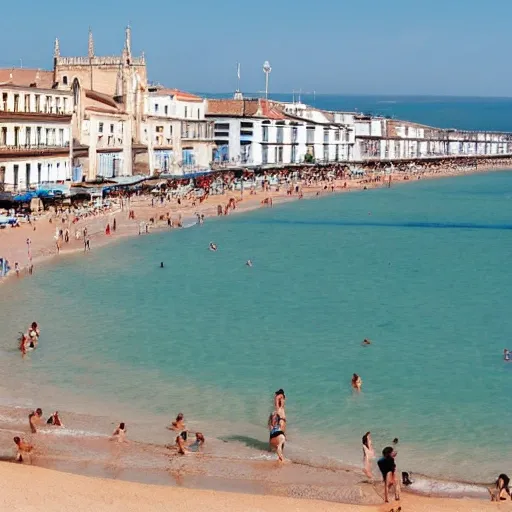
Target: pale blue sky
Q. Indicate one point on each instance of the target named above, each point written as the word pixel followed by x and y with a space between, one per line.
pixel 444 47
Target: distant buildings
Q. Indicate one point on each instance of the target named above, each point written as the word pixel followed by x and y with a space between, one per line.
pixel 95 117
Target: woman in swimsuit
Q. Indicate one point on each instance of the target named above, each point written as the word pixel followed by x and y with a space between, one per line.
pixel 277 436
pixel 55 420
pixel 181 444
pixel 356 382
pixel 368 454
pixel 502 490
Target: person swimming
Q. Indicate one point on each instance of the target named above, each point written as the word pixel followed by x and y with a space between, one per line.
pixel 506 354
pixel 357 382
pixel 161 264
pixel 366 342
pixel 248 263
pixel 212 246
pixel 277 436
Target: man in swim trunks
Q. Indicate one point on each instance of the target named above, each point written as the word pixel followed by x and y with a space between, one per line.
pixel 387 467
pixel 34 418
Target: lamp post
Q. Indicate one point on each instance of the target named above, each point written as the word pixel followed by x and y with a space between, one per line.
pixel 266 69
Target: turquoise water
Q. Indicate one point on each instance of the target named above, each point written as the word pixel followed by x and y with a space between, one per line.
pixel 421 269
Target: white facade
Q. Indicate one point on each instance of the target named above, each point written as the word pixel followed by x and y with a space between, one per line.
pixel 35 136
pixel 276 134
pixel 178 135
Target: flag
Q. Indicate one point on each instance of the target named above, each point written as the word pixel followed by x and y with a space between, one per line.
pixel 238 70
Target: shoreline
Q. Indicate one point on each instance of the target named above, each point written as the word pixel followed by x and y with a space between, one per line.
pixel 252 203
pixel 43 246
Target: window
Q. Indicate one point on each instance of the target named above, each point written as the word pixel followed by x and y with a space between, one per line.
pixel 65 107
pixel 337 158
pixel 280 134
pixel 326 134
pixel 48 107
pixel 38 103
pixel 2 177
pixel 28 136
pixel 39 167
pixel 111 128
pixel 57 105
pixel 16 169
pixel 27 102
pixel 294 134
pixel 61 136
pixel 156 108
pixel 310 134
pixel 16 102
pixel 65 80
pixel 337 135
pixel 27 175
pixel 159 129
pixel 279 158
pixel 166 109
pixel 170 130
pixel 294 154
pixel 47 136
pixel 16 135
pixel 186 111
pixel 198 113
pixel 38 135
pixel 100 127
pixel 326 153
pixel 4 136
pixel 4 100
pixel 264 154
pixel 265 134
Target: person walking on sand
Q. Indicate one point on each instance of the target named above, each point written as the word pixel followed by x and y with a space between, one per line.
pixel 387 468
pixel 22 448
pixel 357 382
pixel 368 455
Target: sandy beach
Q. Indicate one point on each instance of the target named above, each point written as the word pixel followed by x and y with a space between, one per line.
pixel 30 489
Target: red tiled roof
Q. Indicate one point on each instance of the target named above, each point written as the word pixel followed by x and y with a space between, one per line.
pixel 232 108
pixel 102 98
pixel 104 110
pixel 26 77
pixel 180 95
pixel 245 108
pixel 271 110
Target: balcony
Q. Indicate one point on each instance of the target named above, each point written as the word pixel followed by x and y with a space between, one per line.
pixel 33 149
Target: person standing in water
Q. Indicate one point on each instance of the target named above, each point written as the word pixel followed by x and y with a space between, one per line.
pixel 22 448
pixel 277 435
pixel 34 418
pixel 119 434
pixel 357 382
pixel 368 455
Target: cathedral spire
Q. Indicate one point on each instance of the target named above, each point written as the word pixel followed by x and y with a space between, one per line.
pixel 128 42
pixel 91 44
pixel 56 48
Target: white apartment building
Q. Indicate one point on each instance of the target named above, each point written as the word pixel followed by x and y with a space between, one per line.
pixel 254 132
pixel 35 131
pixel 179 138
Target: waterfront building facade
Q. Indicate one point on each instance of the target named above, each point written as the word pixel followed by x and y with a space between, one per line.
pixel 35 130
pixel 255 132
pixel 178 136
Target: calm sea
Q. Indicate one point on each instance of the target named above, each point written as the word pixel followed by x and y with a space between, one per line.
pixel 421 269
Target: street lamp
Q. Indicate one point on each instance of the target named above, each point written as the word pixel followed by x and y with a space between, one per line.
pixel 266 69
